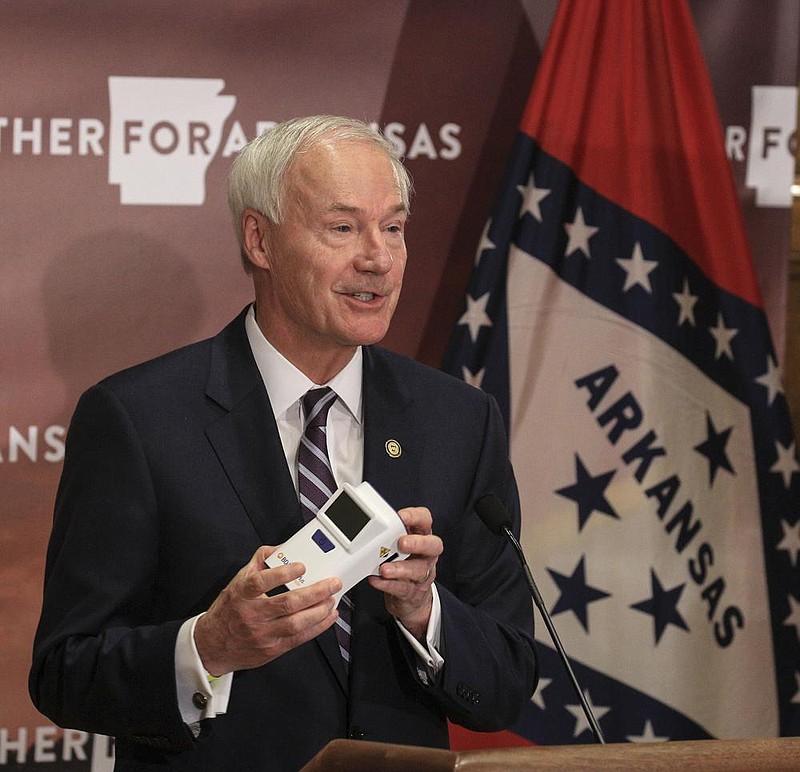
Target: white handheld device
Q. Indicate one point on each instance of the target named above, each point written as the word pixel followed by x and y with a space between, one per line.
pixel 350 537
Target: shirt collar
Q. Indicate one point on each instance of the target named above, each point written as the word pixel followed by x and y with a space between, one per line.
pixel 285 384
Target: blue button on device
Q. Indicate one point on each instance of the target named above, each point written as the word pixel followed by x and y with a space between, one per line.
pixel 322 541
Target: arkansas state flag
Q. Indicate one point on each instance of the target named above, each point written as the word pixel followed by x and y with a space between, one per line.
pixel 614 313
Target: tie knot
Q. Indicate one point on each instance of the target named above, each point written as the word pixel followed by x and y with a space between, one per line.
pixel 316 404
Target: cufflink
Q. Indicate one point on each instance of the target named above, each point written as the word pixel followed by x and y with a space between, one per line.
pixel 199 700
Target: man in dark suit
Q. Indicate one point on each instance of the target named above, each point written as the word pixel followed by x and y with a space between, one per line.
pixel 158 626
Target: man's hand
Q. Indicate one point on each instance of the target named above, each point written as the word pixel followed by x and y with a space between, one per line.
pixel 406 584
pixel 244 628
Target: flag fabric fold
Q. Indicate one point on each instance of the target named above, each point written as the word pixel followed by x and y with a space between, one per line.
pixel 615 315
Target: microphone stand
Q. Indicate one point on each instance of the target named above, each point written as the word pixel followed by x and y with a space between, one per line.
pixel 537 599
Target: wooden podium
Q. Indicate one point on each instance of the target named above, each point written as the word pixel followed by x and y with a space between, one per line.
pixel 781 753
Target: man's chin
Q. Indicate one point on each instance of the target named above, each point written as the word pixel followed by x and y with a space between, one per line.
pixel 366 337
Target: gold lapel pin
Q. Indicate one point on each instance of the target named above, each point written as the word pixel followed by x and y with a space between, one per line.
pixel 393 449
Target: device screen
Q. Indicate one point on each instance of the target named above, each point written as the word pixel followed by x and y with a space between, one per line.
pixel 347 516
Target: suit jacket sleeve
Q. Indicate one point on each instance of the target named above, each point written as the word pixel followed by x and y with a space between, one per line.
pixel 102 656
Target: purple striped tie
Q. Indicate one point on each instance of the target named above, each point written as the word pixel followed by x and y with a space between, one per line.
pixel 316 484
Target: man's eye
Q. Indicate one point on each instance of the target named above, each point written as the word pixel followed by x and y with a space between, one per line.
pixel 343 228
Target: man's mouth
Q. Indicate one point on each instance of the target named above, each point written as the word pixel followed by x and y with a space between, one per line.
pixel 365 296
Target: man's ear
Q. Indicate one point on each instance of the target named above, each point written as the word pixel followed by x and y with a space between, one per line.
pixel 255 228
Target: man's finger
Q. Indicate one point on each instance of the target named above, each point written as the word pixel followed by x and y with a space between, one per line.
pixel 294 601
pixel 428 546
pixel 416 519
pixel 255 579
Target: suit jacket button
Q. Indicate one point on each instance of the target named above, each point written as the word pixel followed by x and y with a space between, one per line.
pixel 199 700
pixel 356 734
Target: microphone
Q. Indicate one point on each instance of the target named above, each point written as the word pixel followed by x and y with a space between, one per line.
pixel 495 517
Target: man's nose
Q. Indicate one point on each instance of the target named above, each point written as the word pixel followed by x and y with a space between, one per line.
pixel 374 255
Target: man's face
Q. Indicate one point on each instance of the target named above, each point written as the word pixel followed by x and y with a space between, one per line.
pixel 336 262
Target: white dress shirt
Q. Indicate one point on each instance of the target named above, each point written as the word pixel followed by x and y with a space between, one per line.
pixel 285 386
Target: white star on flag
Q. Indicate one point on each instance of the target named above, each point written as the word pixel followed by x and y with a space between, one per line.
pixel 637 269
pixel 771 380
pixel 648 735
pixel 538 697
pixel 786 463
pixel 793 620
pixel 475 316
pixel 790 541
pixel 531 196
pixel 723 335
pixel 579 234
pixel 686 301
pixel 485 242
pixel 581 722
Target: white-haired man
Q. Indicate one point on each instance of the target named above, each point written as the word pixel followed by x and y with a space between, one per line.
pixel 159 624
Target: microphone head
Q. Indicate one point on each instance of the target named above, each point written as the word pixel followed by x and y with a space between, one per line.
pixel 493 513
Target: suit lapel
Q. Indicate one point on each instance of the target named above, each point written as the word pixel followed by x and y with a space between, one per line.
pixel 246 441
pixel 245 438
pixel 391 440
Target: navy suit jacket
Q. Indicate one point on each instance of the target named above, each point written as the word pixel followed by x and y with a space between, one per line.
pixel 174 474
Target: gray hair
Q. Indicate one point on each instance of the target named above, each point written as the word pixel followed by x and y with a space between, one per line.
pixel 256 179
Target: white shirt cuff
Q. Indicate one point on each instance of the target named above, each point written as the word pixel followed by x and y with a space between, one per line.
pixel 430 661
pixel 200 695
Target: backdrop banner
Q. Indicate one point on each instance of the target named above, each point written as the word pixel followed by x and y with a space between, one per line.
pixel 117 125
